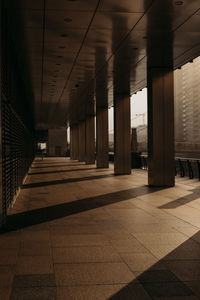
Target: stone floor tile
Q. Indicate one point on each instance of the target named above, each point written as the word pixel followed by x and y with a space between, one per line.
pixel 35 235
pixel 85 254
pixel 6 276
pixel 161 238
pixel 167 289
pixel 92 273
pixel 75 229
pixel 187 251
pixel 79 240
pixel 194 286
pixel 36 280
pixel 157 276
pixel 8 256
pixel 102 292
pixel 128 245
pixel 37 293
pixel 34 265
pixel 9 241
pixel 36 248
pixel 186 270
pixel 151 233
pixel 141 261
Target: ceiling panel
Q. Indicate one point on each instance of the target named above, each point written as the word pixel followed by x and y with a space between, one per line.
pixel 64 19
pixel 124 6
pixel 76 44
pixel 25 4
pixel 115 20
pixel 72 5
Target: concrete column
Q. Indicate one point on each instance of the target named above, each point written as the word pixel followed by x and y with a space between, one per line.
pixel 76 142
pixel 89 141
pixel 71 142
pixel 160 126
pixel 82 141
pixel 122 134
pixel 2 220
pixel 57 142
pixel 102 160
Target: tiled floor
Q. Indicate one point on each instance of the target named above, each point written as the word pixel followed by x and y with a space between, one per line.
pixel 77 232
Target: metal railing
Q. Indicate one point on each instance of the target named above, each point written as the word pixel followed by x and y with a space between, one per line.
pixel 184 167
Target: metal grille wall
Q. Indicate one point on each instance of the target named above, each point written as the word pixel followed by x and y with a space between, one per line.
pixel 17 123
pixel 17 153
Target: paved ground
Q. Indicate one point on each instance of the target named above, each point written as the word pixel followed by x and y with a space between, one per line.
pixel 78 232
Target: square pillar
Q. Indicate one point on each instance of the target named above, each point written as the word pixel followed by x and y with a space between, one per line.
pixel 72 142
pixel 160 126
pixel 102 159
pixel 122 134
pixel 2 213
pixel 75 142
pixel 89 141
pixel 81 139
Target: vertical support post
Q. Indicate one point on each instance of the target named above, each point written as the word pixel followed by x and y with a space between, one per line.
pixel 76 142
pixel 102 137
pixel 82 141
pixel 1 194
pixel 72 142
pixel 122 134
pixel 160 126
pixel 89 141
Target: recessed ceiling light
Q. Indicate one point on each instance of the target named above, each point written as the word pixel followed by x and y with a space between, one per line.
pixel 179 2
pixel 68 20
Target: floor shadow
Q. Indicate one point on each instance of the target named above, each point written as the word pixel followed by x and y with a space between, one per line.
pixel 59 166
pixel 48 162
pixel 62 171
pixel 182 200
pixel 45 214
pixel 175 275
pixel 63 181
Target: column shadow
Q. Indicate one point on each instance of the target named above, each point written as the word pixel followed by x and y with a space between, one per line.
pixel 37 216
pixel 59 166
pixel 175 276
pixel 63 181
pixel 182 200
pixel 62 171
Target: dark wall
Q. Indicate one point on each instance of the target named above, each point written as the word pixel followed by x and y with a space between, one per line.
pixel 17 121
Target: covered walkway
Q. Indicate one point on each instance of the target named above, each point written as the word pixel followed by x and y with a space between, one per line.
pixel 77 232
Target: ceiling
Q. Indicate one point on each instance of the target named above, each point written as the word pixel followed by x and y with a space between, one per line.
pixel 80 50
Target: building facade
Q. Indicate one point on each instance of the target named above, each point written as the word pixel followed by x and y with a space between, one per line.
pixel 187 109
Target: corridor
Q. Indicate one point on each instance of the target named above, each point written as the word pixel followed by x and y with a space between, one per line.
pixel 77 232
